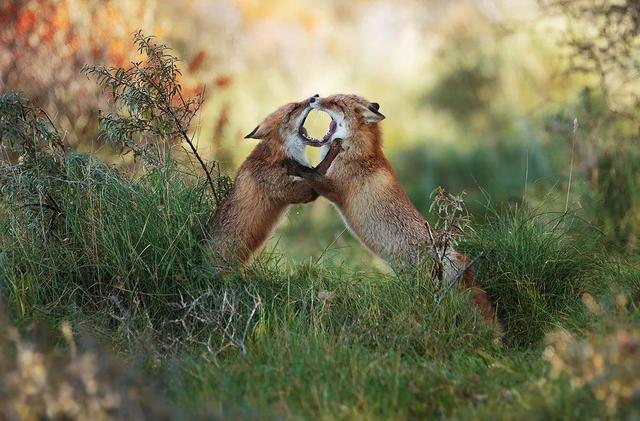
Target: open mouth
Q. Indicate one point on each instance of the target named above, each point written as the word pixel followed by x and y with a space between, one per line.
pixel 312 141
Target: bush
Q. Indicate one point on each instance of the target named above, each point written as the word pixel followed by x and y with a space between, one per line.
pixel 600 41
pixel 605 361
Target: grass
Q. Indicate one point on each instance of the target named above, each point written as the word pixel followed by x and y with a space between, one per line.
pixel 314 378
pixel 129 262
pixel 116 237
pixel 536 266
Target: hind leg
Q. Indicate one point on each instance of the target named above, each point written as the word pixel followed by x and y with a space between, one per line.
pixel 481 299
pixel 479 295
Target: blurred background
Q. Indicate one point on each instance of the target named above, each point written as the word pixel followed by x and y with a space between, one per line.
pixel 502 99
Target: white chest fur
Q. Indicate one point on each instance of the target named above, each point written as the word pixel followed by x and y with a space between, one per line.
pixel 296 150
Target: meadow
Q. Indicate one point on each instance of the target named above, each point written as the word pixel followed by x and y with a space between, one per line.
pixel 112 307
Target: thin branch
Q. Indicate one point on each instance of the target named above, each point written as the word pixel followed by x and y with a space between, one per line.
pixel 440 296
pixel 183 132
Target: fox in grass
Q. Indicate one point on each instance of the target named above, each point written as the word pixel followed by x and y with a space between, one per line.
pixel 262 189
pixel 363 186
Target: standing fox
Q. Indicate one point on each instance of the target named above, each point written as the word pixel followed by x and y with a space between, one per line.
pixel 364 188
pixel 262 189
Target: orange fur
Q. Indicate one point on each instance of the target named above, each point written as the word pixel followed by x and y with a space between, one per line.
pixel 262 189
pixel 364 188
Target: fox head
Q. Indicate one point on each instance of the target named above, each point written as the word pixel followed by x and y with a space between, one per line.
pixel 354 121
pixel 283 130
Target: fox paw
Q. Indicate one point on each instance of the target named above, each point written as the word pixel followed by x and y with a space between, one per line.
pixel 296 169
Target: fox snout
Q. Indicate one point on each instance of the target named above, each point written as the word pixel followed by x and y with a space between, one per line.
pixel 316 102
pixel 313 100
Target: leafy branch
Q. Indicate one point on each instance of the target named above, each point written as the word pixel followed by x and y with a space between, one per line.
pixel 444 235
pixel 152 114
pixel 33 167
pixel 25 127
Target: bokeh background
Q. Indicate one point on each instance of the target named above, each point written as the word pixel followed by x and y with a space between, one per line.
pixel 480 95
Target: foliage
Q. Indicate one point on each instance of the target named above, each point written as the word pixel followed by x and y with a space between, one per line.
pixel 603 39
pixel 109 239
pixel 153 115
pixel 35 179
pixel 501 173
pixel 471 75
pixel 26 127
pixel 601 43
pixel 30 30
pixel 606 361
pixel 451 222
pixel 80 32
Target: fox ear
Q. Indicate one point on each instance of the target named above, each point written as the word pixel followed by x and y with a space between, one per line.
pixel 257 133
pixel 371 113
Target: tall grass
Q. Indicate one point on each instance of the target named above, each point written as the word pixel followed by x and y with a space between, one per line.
pixel 116 236
pixel 130 251
pixel 535 267
pixel 128 260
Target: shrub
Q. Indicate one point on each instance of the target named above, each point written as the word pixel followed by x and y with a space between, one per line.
pixel 600 41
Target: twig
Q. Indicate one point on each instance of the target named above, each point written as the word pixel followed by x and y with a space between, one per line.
pixel 224 319
pixel 438 267
pixel 440 296
pixel 185 136
pixel 182 130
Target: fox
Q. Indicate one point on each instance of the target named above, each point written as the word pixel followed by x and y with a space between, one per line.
pixel 262 189
pixel 364 188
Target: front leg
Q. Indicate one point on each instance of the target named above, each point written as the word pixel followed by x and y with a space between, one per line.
pixel 283 188
pixel 321 184
pixel 295 168
pixel 334 150
pixel 300 191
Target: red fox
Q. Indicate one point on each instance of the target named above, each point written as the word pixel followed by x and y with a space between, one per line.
pixel 363 186
pixel 262 189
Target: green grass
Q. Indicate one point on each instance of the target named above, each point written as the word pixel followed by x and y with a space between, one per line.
pixel 317 378
pixel 116 237
pixel 129 263
pixel 535 266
